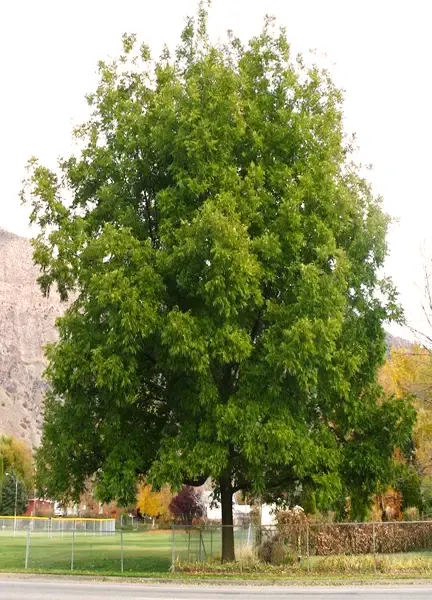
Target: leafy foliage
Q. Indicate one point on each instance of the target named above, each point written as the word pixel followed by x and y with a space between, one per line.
pixel 221 253
pixel 16 456
pixel 16 464
pixel 187 505
pixel 12 489
pixel 409 485
pixel 409 371
pixel 153 503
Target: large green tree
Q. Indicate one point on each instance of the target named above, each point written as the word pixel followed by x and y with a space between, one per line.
pixel 221 254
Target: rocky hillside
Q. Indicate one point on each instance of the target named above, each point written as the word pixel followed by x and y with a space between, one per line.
pixel 26 325
pixel 394 342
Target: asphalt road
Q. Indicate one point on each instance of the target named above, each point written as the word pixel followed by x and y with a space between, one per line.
pixel 12 589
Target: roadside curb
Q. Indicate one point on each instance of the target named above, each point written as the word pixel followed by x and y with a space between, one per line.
pixel 219 581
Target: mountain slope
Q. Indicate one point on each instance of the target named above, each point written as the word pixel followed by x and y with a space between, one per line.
pixel 26 325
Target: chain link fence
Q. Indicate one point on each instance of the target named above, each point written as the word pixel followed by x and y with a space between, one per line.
pixel 78 549
pixel 50 525
pixel 92 547
pixel 325 547
pixel 202 544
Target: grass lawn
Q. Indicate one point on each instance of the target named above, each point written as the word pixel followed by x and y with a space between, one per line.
pixel 148 552
pixel 144 552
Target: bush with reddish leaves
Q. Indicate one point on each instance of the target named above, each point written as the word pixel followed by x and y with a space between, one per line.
pixel 187 506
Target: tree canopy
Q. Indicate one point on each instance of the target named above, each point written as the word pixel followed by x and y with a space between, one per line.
pixel 16 457
pixel 187 505
pixel 13 495
pixel 16 475
pixel 408 370
pixel 221 254
pixel 153 503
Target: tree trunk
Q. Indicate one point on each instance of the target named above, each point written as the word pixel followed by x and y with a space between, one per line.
pixel 228 553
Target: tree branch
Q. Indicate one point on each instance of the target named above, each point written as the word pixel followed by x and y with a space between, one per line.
pixel 197 482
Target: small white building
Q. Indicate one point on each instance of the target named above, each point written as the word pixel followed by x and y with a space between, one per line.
pixel 240 511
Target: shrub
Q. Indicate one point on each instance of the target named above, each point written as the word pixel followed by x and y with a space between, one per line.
pixel 164 521
pixel 187 506
pixel 286 543
pixel 348 564
pixel 255 515
pixel 418 565
pixel 341 539
pixel 265 550
pixel 411 514
pixel 358 539
pixel 277 553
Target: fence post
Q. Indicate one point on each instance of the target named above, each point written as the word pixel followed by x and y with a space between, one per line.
pixel 248 539
pixel 200 543
pixel 188 545
pixel 27 554
pixel 121 551
pixel 374 544
pixel 73 548
pixel 307 547
pixel 172 548
pixel 241 546
pixel 211 542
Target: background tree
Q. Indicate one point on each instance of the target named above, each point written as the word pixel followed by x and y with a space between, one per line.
pixel 153 503
pixel 187 505
pixel 16 456
pixel 88 505
pixel 409 484
pixel 222 254
pixel 423 391
pixel 408 370
pixel 15 459
pixel 13 490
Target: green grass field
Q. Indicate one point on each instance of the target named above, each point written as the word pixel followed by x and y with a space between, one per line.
pixel 150 554
pixel 142 552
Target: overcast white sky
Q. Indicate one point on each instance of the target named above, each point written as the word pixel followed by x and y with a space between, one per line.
pixel 381 50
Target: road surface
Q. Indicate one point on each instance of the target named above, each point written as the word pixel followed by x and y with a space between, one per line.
pixel 15 589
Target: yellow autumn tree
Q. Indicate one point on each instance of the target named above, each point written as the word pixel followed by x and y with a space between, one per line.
pixel 409 371
pixel 153 503
pixel 15 455
pixel 398 374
